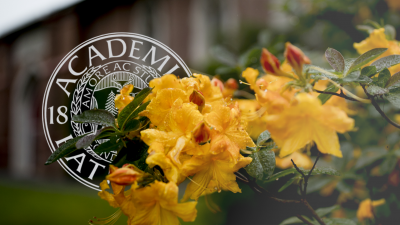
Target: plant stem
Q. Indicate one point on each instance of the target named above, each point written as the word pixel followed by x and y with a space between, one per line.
pixel 259 190
pixel 303 190
pixel 303 219
pixel 342 95
pixel 376 105
pixel 315 215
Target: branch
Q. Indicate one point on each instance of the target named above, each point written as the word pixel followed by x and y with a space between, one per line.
pixel 309 175
pixel 304 219
pixel 259 190
pixel 376 105
pixel 303 190
pixel 342 95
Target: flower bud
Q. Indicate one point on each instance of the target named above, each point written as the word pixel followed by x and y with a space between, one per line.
pixel 197 98
pixel 216 82
pixel 122 176
pixel 296 58
pixel 270 63
pixel 201 133
pixel 231 83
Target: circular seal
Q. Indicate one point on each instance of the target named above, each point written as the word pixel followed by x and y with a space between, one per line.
pixel 89 77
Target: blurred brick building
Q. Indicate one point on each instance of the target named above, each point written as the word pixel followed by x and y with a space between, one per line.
pixel 28 56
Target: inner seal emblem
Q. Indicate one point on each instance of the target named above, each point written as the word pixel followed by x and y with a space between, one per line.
pixel 89 77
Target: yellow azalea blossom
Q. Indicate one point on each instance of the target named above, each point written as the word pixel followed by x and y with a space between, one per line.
pixel 227 134
pixel 119 199
pixel 215 170
pixel 123 99
pixel 301 160
pixel 183 118
pixel 255 124
pixel 210 92
pixel 157 204
pixel 366 209
pixel 157 156
pixel 164 82
pixel 159 108
pixel 377 39
pixel 307 121
pixel 272 100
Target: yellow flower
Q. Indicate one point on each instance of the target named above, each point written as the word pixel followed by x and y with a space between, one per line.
pixel 123 99
pixel 212 173
pixel 366 209
pixel 164 82
pixel 159 108
pixel 306 121
pixel 157 204
pixel 272 100
pixel 301 160
pixel 119 199
pixel 255 124
pixel 123 176
pixel 157 156
pixel 227 134
pixel 182 120
pixel 210 92
pixel 377 39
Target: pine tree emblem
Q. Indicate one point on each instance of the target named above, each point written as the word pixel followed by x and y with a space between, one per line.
pixel 110 104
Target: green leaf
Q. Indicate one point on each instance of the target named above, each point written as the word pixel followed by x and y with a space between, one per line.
pixel 322 171
pixel 321 212
pixel 388 164
pixel 288 183
pixel 376 90
pixel 96 116
pixel 363 80
pixel 316 171
pixel 347 151
pixel 383 77
pixel 263 164
pixel 369 156
pixel 325 97
pixel 85 142
pixel 365 28
pixel 291 220
pixel 335 59
pixel 365 58
pixel 336 221
pixel 386 62
pixel 316 183
pixel 263 137
pixel 347 63
pixel 65 149
pixel 114 144
pixel 283 173
pixel 352 77
pixel 133 108
pixel 394 79
pixel 250 58
pixel 394 99
pixel 390 32
pixel 368 71
pixel 132 125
